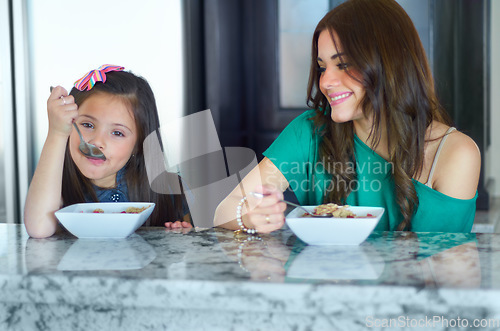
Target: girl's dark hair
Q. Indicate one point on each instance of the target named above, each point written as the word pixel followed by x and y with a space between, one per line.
pixel 382 46
pixel 138 96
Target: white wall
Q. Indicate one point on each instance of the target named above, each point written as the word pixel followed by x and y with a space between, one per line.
pixel 7 149
pixel 493 155
pixel 69 38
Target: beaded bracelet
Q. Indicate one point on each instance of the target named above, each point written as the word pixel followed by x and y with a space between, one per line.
pixel 238 218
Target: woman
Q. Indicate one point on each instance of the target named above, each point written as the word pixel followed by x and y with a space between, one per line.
pixel 377 135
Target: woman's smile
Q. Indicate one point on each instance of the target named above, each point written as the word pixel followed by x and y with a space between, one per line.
pixel 336 98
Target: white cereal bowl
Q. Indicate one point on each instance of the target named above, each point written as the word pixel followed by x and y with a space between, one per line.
pixel 81 221
pixel 333 230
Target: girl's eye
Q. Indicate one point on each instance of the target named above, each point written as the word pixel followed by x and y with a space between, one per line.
pixel 118 133
pixel 87 125
pixel 321 69
pixel 343 66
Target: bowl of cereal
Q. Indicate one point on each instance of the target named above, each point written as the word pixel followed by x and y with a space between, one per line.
pixel 346 225
pixel 104 219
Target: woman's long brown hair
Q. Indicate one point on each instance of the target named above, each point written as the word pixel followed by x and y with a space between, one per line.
pixel 382 46
pixel 136 93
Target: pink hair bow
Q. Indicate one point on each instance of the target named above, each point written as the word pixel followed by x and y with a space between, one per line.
pixel 99 75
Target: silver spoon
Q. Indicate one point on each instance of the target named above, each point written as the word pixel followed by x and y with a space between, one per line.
pixel 85 148
pixel 260 195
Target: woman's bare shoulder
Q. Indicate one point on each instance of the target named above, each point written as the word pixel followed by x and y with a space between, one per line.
pixel 459 165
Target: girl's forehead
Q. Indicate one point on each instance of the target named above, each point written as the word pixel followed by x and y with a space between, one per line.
pixel 105 100
pixel 103 106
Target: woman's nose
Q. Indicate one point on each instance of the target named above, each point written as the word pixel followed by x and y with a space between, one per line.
pixel 329 78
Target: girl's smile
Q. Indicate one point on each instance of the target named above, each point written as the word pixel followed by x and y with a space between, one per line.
pixel 107 122
pixel 96 162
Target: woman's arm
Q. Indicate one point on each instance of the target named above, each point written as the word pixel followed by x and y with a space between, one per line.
pixel 266 214
pixel 44 194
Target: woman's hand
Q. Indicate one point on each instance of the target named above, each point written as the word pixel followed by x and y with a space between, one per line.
pixel 62 111
pixel 265 214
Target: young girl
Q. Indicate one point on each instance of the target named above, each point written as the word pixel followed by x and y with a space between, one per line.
pixel 377 135
pixel 115 111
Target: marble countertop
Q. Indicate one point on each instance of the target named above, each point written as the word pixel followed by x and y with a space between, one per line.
pixel 163 276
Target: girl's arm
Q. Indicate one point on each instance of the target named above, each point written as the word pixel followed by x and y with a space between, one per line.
pixel 44 194
pixel 266 214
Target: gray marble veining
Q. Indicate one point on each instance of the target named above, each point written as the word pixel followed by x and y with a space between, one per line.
pixel 209 280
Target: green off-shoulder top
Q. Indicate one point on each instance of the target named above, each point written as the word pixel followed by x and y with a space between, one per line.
pixel 295 154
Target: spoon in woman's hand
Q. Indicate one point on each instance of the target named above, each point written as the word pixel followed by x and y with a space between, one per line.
pixel 85 148
pixel 260 195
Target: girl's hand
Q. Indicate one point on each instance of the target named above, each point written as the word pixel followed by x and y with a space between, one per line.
pixel 266 214
pixel 62 111
pixel 178 225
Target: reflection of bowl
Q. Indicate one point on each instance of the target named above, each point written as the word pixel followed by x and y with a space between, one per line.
pixel 80 220
pixel 332 230
pixel 337 262
pixel 108 254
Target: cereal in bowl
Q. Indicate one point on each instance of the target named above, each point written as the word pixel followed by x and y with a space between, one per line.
pixel 135 210
pixel 129 210
pixel 334 210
